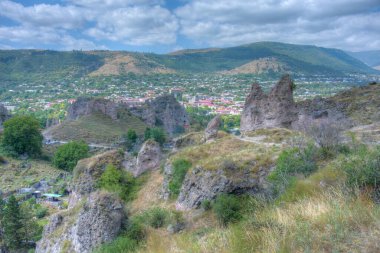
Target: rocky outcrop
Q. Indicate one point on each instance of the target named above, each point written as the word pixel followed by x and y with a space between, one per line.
pixel 88 171
pixel 266 111
pixel 201 184
pixel 212 128
pixel 82 228
pixel 4 115
pixel 189 139
pixel 87 106
pixel 148 158
pixel 165 112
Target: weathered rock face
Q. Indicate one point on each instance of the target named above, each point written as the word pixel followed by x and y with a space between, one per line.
pixel 84 227
pixel 148 158
pixel 165 112
pixel 88 171
pixel 86 106
pixel 266 111
pixel 4 114
pixel 201 184
pixel 212 128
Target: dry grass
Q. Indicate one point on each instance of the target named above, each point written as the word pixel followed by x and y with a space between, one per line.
pixel 95 128
pixel 212 155
pixel 15 174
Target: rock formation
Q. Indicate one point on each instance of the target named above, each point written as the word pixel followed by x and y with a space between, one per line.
pixel 81 229
pixel 4 115
pixel 266 111
pixel 86 106
pixel 165 112
pixel 212 128
pixel 88 171
pixel 201 184
pixel 148 158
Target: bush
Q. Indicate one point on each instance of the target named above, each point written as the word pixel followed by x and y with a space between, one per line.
pixel 41 212
pixel 227 209
pixel 136 229
pixel 180 168
pixel 157 217
pixel 292 162
pixel 362 168
pixel 22 135
pixel 122 244
pixel 206 205
pixel 67 155
pixel 115 180
pixel 157 134
pixel 130 139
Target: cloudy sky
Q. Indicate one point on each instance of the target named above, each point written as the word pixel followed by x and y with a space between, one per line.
pixel 168 25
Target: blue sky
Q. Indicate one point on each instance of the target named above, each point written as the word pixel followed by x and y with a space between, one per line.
pixel 163 26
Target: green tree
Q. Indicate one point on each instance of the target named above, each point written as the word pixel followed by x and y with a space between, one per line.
pixel 132 135
pixel 156 134
pixel 67 155
pixel 12 224
pixel 22 135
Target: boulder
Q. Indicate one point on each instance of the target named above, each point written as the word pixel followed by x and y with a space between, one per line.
pixel 276 109
pixel 84 227
pixel 201 184
pixel 148 158
pixel 212 128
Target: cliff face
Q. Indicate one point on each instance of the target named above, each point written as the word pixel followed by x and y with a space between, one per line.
pixel 93 216
pixel 165 112
pixel 266 111
pixel 86 106
pixel 96 220
pixel 212 128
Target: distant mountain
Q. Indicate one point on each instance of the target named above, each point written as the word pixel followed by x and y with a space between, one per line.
pixel 255 58
pixel 371 58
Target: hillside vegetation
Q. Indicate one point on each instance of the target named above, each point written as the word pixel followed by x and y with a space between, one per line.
pixel 95 128
pixel 299 59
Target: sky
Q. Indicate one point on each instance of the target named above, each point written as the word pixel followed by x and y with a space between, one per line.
pixel 163 26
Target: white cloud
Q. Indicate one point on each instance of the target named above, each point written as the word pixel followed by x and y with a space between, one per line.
pixel 34 38
pixel 139 25
pixel 338 23
pixel 43 15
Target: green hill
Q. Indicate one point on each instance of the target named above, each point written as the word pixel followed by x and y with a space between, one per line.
pixel 268 57
pixel 371 58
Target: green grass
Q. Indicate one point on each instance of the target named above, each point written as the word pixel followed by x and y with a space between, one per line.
pixel 180 168
pixel 97 128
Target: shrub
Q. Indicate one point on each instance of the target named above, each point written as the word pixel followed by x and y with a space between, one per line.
pixel 362 168
pixel 22 135
pixel 130 139
pixel 67 155
pixel 227 209
pixel 41 212
pixel 115 180
pixel 122 244
pixel 156 133
pixel 180 168
pixel 292 162
pixel 136 229
pixel 206 205
pixel 157 217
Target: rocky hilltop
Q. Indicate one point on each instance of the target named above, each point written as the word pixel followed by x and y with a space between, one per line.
pixel 164 111
pixel 87 106
pixel 276 109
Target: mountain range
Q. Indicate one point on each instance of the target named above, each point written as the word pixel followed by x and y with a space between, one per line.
pixel 255 58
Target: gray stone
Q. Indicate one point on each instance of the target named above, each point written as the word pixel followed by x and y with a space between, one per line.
pixel 212 128
pixel 267 111
pixel 87 106
pixel 83 227
pixel 148 158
